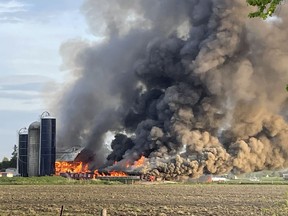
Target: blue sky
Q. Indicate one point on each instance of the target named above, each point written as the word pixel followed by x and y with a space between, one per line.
pixel 31 33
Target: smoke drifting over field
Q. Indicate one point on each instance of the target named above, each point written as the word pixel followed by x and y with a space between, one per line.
pixel 198 87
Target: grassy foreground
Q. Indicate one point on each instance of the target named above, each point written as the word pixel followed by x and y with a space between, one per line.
pixel 50 180
pixel 262 181
pixel 58 180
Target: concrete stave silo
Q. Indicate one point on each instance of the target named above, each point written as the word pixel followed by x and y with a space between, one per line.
pixel 33 148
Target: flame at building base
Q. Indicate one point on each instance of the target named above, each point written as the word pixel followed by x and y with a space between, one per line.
pixel 80 167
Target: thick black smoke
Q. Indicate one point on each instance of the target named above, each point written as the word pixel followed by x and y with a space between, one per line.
pixel 192 85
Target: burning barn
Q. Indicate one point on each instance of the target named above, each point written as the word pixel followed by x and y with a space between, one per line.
pixel 193 87
pixel 66 165
pixel 73 168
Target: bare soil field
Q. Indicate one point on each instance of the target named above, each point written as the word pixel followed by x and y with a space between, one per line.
pixel 176 199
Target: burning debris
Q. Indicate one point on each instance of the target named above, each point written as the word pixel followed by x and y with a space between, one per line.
pixel 70 167
pixel 188 87
pixel 78 169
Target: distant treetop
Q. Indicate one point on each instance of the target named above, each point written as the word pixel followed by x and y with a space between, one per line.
pixel 265 8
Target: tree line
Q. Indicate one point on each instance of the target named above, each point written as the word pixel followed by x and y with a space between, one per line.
pixel 9 163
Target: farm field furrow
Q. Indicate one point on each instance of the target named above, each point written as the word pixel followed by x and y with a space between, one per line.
pixel 143 200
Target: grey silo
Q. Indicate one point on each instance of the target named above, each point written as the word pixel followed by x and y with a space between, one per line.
pixel 33 148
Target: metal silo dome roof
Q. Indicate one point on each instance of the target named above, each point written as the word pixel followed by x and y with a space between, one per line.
pixel 34 125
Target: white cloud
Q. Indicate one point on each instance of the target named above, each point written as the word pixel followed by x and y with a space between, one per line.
pixel 10 20
pixel 13 7
pixel 19 95
pixel 18 79
pixel 36 48
pixel 31 32
pixel 23 92
pixel 33 104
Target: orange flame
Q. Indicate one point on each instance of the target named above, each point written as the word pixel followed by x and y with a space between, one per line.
pixel 79 167
pixel 111 173
pixel 139 162
pixel 127 163
pixel 71 167
pixel 117 173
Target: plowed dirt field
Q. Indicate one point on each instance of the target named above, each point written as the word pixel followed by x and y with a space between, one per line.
pixel 144 199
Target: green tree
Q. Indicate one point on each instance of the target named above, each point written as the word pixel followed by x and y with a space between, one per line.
pixel 265 8
pixel 12 163
pixel 5 159
pixel 4 164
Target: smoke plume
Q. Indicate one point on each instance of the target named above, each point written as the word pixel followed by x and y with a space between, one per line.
pixel 193 85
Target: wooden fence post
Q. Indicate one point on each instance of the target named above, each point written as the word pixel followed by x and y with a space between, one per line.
pixel 104 212
pixel 61 212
